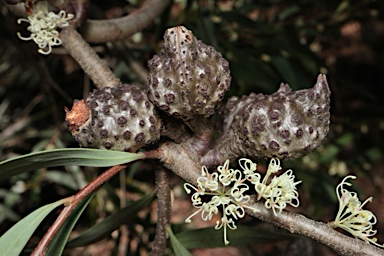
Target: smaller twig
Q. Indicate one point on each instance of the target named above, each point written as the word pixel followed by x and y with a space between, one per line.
pixel 73 201
pixel 163 211
pixel 17 9
pixel 101 31
pixel 89 61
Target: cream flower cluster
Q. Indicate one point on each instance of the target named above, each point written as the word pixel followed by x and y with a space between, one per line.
pixel 227 191
pixel 43 27
pixel 351 217
pixel 279 192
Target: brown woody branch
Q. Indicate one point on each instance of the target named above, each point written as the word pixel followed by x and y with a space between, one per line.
pixel 88 59
pixel 101 31
pixel 183 163
pixel 319 231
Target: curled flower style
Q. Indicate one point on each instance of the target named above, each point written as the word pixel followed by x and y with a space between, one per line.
pixel 227 192
pixel 249 169
pixel 351 217
pixel 43 27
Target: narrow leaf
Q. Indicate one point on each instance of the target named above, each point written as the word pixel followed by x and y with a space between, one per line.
pixel 66 156
pixel 103 228
pixel 56 246
pixel 13 241
pixel 62 178
pixel 178 247
pixel 243 235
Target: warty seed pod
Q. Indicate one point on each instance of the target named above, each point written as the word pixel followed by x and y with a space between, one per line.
pixel 189 78
pixel 285 124
pixel 119 118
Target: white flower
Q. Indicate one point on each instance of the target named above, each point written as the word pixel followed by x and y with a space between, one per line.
pixel 226 189
pixel 280 191
pixel 351 217
pixel 228 192
pixel 43 27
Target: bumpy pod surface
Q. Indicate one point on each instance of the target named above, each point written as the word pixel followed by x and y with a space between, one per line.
pixel 120 118
pixel 232 111
pixel 188 78
pixel 286 124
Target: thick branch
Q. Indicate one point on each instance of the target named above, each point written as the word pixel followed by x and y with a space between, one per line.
pixel 101 31
pixel 89 61
pixel 163 211
pixel 179 160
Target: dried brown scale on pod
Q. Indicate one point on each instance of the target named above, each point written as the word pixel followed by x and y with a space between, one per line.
pixel 189 78
pixel 286 124
pixel 119 118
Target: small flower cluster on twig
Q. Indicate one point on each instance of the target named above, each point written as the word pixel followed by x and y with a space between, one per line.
pixel 280 191
pixel 43 27
pixel 351 217
pixel 227 189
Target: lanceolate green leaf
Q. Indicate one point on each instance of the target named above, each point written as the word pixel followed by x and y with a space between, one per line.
pixel 243 235
pixel 67 156
pixel 14 240
pixel 178 248
pixel 56 246
pixel 111 223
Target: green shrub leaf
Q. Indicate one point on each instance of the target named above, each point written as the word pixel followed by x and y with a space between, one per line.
pixel 13 241
pixel 103 228
pixel 56 246
pixel 66 156
pixel 178 248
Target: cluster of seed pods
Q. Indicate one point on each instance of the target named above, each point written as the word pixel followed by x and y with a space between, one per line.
pixel 188 80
